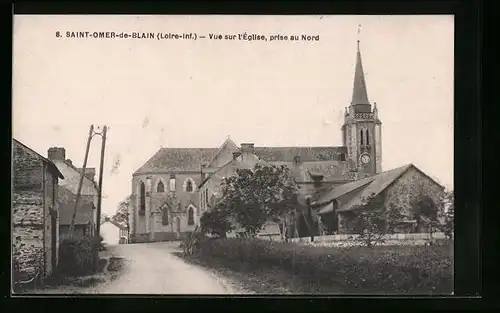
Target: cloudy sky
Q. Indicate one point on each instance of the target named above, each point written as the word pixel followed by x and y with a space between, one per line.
pixel 174 93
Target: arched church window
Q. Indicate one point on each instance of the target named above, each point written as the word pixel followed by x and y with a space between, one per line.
pixel 160 187
pixel 189 186
pixel 361 137
pixel 367 138
pixel 172 183
pixel 142 199
pixel 164 217
pixel 190 216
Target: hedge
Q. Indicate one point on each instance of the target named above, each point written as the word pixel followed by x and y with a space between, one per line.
pixel 79 256
pixel 420 269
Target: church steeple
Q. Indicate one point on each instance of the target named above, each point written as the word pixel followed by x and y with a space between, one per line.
pixel 359 93
pixel 362 132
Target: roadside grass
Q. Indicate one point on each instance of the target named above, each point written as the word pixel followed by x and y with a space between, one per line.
pixel 110 267
pixel 267 267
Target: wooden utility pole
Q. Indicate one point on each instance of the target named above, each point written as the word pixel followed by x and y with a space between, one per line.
pixel 79 191
pixel 99 197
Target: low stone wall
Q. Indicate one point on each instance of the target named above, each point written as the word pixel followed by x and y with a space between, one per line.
pixel 158 237
pixel 388 240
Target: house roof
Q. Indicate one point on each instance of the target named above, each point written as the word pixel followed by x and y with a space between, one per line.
pixel 366 187
pixel 178 160
pixel 115 223
pixel 51 165
pixel 84 213
pixel 60 163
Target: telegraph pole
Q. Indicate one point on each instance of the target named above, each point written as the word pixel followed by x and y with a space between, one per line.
pixel 79 191
pixel 99 197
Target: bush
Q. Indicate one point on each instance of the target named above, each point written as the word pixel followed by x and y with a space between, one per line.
pixel 79 256
pixel 423 269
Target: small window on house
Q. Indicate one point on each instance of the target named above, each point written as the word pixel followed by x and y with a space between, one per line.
pixel 190 216
pixel 142 199
pixel 189 186
pixel 342 157
pixel 367 138
pixel 362 137
pixel 164 217
pixel 160 187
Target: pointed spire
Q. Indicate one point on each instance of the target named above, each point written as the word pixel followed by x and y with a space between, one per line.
pixel 359 93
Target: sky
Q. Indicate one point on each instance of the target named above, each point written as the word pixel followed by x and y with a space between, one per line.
pixel 195 93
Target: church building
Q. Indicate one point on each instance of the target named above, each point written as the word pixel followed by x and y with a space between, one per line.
pixel 176 186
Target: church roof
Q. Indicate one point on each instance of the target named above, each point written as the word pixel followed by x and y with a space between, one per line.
pixel 359 93
pixel 178 160
pixel 287 154
pixel 191 159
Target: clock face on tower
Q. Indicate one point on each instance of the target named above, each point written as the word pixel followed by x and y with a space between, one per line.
pixel 365 158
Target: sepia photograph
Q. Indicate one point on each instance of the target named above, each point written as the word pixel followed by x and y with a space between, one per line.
pixel 232 155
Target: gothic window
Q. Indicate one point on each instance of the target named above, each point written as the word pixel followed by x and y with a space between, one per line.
pixel 160 187
pixel 172 183
pixel 142 199
pixel 361 137
pixel 164 217
pixel 367 138
pixel 190 216
pixel 189 186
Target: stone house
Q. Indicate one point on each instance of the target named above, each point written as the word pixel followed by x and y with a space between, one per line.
pixel 86 216
pixel 400 187
pixel 34 214
pixel 113 232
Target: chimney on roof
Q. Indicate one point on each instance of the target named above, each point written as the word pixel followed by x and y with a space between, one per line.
pixel 236 155
pixel 69 162
pixel 296 160
pixel 247 148
pixel 317 180
pixel 56 153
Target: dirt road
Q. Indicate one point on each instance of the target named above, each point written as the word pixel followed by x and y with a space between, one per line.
pixel 151 268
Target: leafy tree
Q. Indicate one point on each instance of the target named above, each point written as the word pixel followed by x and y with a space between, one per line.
pixel 255 196
pixel 371 220
pixel 216 222
pixel 426 212
pixel 447 214
pixel 123 211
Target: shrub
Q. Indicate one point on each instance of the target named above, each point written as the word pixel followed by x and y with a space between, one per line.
pixel 79 256
pixel 422 269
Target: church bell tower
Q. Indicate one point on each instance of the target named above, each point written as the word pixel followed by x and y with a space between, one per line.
pixel 362 129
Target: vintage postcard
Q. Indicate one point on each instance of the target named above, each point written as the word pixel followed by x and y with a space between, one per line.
pixel 219 154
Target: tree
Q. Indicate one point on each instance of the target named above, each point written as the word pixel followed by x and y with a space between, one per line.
pixel 255 196
pixel 371 220
pixel 216 222
pixel 447 214
pixel 123 212
pixel 426 212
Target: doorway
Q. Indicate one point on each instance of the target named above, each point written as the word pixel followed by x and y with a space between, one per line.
pixel 178 227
